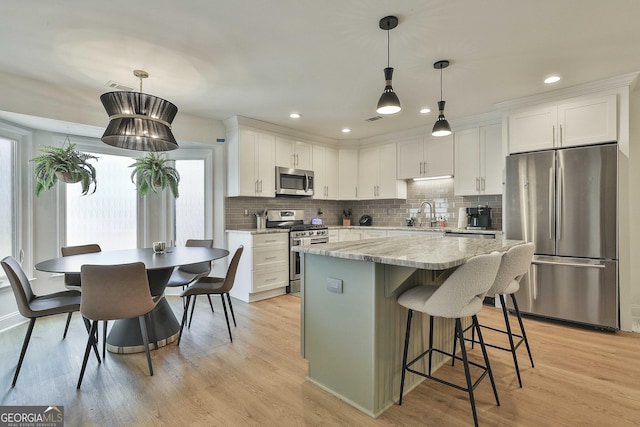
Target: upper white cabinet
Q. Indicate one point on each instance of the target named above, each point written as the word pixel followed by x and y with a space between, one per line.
pixel 347 174
pixel 573 122
pixel 325 173
pixel 425 157
pixel 479 161
pixel 377 174
pixel 251 164
pixel 293 154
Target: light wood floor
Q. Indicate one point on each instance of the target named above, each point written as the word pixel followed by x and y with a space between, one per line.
pixel 582 378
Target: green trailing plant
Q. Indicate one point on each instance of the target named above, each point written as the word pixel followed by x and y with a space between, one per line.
pixel 153 172
pixel 65 164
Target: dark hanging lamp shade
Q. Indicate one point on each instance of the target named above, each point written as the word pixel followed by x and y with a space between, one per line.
pixel 389 102
pixel 441 126
pixel 138 121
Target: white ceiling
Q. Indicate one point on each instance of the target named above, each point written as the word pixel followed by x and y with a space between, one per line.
pixel 324 59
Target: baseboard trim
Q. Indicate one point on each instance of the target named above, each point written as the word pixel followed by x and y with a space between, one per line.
pixel 11 320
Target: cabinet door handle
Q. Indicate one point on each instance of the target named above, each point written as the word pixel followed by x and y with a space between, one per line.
pixel 553 135
pixel 256 186
pixel 261 186
pixel 483 183
pixel 421 163
pixel 424 170
pixel 561 135
pixel 477 184
pixel 356 191
pixel 271 257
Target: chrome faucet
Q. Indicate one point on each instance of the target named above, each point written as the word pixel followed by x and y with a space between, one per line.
pixel 432 212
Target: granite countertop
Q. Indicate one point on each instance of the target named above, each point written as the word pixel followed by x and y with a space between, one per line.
pixel 424 252
pixel 261 231
pixel 425 229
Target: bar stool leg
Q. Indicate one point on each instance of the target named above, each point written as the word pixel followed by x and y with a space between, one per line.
pixel 524 334
pixel 486 357
pixel 510 335
pixel 404 355
pixel 467 374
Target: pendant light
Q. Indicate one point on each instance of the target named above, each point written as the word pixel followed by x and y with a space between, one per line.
pixel 441 127
pixel 138 121
pixel 389 102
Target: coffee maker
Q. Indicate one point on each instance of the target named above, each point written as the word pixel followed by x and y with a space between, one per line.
pixel 479 218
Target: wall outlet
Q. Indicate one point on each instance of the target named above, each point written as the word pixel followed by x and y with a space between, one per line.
pixel 246 212
pixel 334 285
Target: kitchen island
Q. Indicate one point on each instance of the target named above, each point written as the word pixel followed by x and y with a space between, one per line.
pixel 352 328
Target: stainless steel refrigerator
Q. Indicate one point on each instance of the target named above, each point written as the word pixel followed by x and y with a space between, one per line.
pixel 565 201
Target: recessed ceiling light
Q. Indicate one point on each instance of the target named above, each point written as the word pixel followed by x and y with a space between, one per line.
pixel 552 79
pixel 425 110
pixel 346 130
pixel 295 115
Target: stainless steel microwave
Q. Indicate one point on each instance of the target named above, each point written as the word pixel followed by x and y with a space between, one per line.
pixel 293 182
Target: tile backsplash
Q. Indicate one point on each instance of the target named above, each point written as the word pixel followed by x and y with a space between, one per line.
pixel 385 213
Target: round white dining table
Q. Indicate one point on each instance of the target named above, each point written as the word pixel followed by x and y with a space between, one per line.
pixel 125 336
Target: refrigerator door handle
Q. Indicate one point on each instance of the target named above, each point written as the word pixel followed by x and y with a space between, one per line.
pixel 551 202
pixel 568 264
pixel 559 209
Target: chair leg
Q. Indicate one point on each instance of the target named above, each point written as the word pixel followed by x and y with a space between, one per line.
pixel 231 308
pixel 25 344
pixel 87 325
pixel 510 336
pixel 184 317
pixel 404 354
pixel 66 327
pixel 486 357
pixel 226 316
pixel 431 342
pixel 193 308
pixel 210 303
pixel 145 338
pixel 90 343
pixel 524 334
pixel 104 339
pixel 467 374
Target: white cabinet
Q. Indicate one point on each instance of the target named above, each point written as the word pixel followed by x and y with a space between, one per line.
pixel 325 173
pixel 578 121
pixel 293 154
pixel 479 161
pixel 334 235
pixel 377 174
pixel 426 157
pixel 263 271
pixel 347 174
pixel 251 164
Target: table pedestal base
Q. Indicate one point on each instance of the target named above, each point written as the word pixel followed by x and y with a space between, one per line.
pixel 125 336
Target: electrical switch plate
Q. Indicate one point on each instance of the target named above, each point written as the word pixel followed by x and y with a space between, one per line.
pixel 334 285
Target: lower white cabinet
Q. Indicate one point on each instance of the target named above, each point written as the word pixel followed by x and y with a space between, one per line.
pixel 263 271
pixel 373 234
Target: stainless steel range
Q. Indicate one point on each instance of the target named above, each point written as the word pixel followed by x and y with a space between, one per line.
pixel 299 234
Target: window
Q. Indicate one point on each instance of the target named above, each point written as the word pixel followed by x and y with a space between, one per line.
pixel 109 216
pixel 189 207
pixel 8 218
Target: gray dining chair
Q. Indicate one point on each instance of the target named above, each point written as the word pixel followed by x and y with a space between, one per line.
pixel 184 275
pixel 213 286
pixel 112 292
pixel 34 306
pixel 72 280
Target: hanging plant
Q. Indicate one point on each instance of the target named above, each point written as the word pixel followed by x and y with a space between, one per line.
pixel 65 164
pixel 152 173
